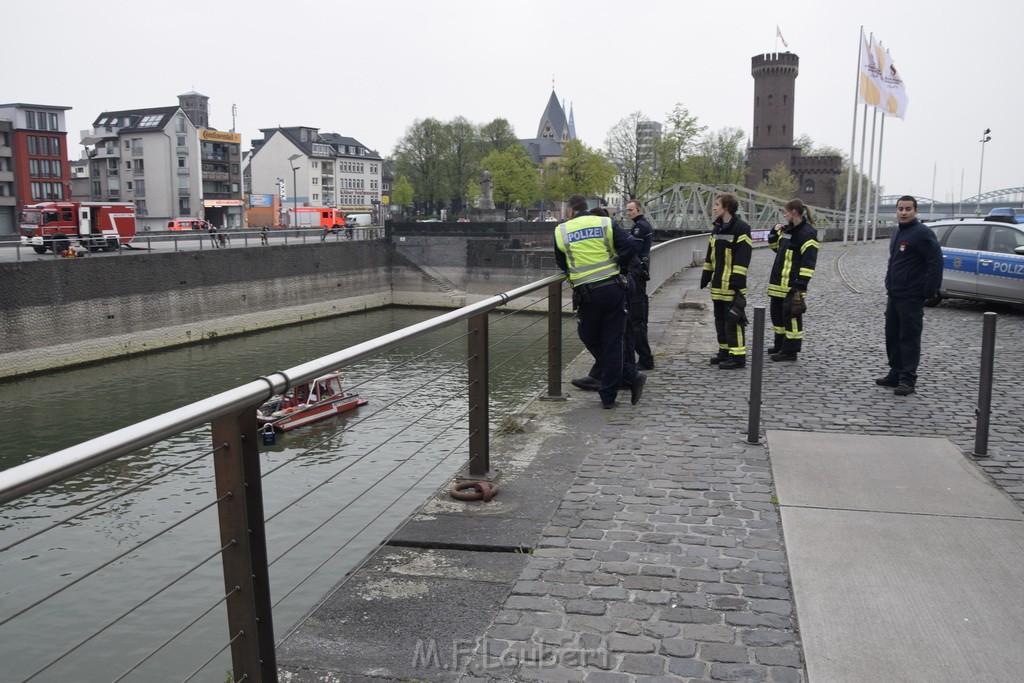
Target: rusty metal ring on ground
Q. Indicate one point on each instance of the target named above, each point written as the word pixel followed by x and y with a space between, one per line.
pixel 482 490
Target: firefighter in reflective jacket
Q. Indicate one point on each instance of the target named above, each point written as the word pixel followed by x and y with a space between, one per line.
pixel 725 269
pixel 590 250
pixel 796 252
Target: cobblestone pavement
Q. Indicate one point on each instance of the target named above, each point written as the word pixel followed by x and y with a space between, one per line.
pixel 665 561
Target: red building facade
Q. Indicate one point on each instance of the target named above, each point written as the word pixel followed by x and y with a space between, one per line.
pixel 40 152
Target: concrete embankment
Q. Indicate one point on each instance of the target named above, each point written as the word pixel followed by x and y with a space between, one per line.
pixel 59 313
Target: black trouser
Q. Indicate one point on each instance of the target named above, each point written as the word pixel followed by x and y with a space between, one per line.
pixel 638 309
pixel 601 323
pixel 789 332
pixel 731 341
pixel 904 320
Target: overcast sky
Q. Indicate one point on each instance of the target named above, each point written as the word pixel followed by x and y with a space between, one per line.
pixel 369 69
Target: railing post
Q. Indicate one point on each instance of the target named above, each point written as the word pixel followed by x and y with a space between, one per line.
pixel 756 366
pixel 236 462
pixel 554 343
pixel 479 408
pixel 984 410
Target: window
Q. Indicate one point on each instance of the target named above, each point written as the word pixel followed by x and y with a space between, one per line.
pixel 53 122
pixel 127 165
pixel 181 141
pixel 315 164
pixel 179 124
pixel 140 167
pixel 316 197
pixel 809 186
pixel 97 190
pixel 183 208
pixel 31 139
pixel 316 181
pixel 181 162
pixel 1004 239
pixel 127 144
pixel 140 188
pixel 30 121
pixel 965 236
pixel 140 207
pixel 33 168
pixel 55 147
pixel 128 185
pixel 55 169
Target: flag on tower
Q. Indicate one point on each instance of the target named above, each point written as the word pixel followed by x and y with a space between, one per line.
pixel 778 34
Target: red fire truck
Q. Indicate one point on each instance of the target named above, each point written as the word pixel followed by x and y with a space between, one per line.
pixel 94 225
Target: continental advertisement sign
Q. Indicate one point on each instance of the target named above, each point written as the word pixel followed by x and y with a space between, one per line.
pixel 220 136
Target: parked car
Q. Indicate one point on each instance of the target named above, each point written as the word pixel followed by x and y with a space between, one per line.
pixel 983 258
pixel 187 224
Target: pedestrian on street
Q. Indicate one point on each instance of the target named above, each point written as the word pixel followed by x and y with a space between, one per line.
pixel 725 269
pixel 213 234
pixel 640 270
pixel 913 277
pixel 796 252
pixel 263 236
pixel 592 253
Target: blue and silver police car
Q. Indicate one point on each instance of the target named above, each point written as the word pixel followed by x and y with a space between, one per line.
pixel 983 258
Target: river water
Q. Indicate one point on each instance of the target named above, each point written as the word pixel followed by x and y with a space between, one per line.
pixel 333 490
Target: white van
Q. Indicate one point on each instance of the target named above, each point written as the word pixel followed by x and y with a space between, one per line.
pixel 358 220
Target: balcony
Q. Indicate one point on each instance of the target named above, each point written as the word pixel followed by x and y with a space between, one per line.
pixel 184 192
pixel 113 193
pixel 105 153
pixel 93 135
pixel 215 175
pixel 183 151
pixel 182 170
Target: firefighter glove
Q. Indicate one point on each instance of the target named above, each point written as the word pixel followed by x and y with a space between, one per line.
pixel 705 279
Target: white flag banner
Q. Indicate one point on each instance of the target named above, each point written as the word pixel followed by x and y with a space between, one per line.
pixel 871 87
pixel 895 99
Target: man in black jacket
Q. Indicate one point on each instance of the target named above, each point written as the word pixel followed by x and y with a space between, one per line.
pixel 640 270
pixel 913 276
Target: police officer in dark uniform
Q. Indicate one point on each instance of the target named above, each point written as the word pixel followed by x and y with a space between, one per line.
pixel 591 252
pixel 725 269
pixel 640 270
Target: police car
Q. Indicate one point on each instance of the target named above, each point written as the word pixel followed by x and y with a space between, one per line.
pixel 983 258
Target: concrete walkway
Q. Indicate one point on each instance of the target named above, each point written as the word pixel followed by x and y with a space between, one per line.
pixel 855 542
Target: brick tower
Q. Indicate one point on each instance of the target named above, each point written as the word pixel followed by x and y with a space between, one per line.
pixel 774 104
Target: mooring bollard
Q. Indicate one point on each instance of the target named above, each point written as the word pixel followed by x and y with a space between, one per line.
pixel 756 366
pixel 984 410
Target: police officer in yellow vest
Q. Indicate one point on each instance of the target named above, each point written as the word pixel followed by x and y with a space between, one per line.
pixel 590 251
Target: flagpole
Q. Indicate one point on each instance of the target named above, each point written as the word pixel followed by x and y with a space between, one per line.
pixel 871 172
pixel 860 173
pixel 878 178
pixel 853 137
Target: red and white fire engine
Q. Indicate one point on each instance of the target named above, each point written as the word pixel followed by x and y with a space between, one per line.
pixel 93 225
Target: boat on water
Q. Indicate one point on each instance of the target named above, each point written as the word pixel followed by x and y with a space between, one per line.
pixel 308 403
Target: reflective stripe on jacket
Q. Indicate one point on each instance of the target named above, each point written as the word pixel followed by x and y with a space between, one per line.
pixel 796 255
pixel 589 249
pixel 728 257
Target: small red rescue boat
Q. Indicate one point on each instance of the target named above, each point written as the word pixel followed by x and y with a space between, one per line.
pixel 308 403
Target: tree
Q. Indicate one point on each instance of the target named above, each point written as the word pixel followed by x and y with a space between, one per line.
pixel 461 155
pixel 513 176
pixel 719 159
pixel 779 183
pixel 675 146
pixel 582 170
pixel 809 149
pixel 634 153
pixel 496 135
pixel 401 192
pixel 419 156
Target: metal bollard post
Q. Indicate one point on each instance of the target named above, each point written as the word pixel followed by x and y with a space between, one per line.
pixel 756 366
pixel 984 410
pixel 479 467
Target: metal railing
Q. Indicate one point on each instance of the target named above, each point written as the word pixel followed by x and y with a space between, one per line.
pixel 238 478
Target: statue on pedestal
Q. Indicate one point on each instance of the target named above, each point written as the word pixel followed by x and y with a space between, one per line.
pixel 486 193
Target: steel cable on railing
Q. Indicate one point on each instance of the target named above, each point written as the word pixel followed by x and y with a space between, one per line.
pixel 335 475
pixel 124 614
pixel 411 359
pixel 178 633
pixel 136 487
pixel 215 655
pixel 112 560
pixel 440 462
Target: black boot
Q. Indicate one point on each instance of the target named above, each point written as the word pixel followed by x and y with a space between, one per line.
pixel 733 363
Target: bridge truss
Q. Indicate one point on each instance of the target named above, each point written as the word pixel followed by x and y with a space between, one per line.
pixel 687 206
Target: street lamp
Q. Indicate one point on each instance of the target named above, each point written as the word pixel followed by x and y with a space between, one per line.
pixel 295 185
pixel 985 137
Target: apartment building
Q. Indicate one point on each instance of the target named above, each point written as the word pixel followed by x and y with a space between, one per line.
pixel 34 166
pixel 309 168
pixel 168 162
